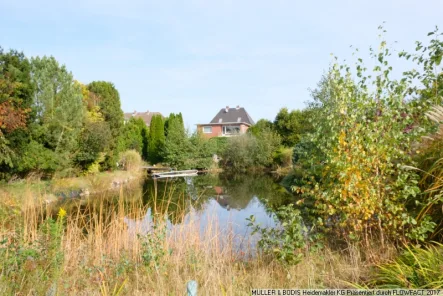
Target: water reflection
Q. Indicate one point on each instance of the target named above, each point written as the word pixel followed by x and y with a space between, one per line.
pixel 205 202
pixel 209 201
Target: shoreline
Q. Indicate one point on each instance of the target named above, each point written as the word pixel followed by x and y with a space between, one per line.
pixel 50 191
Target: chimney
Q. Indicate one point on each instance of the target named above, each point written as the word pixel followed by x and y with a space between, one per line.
pixel 238 107
pixel 227 109
pixel 147 111
pixel 134 113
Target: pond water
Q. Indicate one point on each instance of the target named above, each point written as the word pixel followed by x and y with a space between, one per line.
pixel 221 203
pixel 214 201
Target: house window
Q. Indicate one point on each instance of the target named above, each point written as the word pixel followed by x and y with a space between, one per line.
pixel 207 129
pixel 231 130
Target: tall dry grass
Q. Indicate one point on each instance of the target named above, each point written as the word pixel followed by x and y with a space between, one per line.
pixel 102 255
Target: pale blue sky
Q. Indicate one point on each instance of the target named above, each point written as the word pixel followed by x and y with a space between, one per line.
pixel 197 56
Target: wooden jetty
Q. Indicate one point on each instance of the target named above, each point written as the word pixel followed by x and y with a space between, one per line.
pixel 173 174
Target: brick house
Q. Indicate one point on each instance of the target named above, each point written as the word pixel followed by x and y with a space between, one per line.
pixel 146 116
pixel 228 122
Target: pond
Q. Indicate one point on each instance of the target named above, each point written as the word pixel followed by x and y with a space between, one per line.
pixel 219 203
pixel 222 201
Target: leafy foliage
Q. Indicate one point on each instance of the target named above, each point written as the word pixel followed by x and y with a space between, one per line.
pixel 177 145
pixel 260 126
pixel 291 126
pixel 94 140
pixel 134 135
pixel 156 139
pixel 59 112
pixel 283 156
pixel 152 244
pixel 364 135
pixel 202 151
pixel 109 103
pixel 186 152
pixel 15 103
pixel 50 123
pixel 287 242
pixel 248 151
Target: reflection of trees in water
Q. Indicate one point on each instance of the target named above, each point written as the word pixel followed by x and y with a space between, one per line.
pixel 242 188
pixel 177 196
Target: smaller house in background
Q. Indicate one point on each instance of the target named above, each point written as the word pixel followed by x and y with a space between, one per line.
pixel 228 122
pixel 145 116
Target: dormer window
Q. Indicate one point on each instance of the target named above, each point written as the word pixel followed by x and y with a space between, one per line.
pixel 220 120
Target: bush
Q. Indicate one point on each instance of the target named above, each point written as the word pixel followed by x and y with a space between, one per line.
pixel 287 242
pixel 130 160
pixel 201 152
pixel 239 153
pixel 364 138
pixel 220 143
pixel 248 151
pixel 283 156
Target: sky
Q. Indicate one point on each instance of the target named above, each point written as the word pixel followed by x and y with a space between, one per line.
pixel 198 56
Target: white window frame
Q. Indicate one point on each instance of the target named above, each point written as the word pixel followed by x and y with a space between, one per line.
pixel 207 127
pixel 231 127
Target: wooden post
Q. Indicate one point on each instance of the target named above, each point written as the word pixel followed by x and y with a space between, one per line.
pixel 191 288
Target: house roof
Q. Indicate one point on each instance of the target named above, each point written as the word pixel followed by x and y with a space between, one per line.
pixel 232 115
pixel 145 116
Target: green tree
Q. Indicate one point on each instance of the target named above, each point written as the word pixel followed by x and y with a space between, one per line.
pixel 133 136
pixel 364 134
pixel 239 152
pixel 268 143
pixel 110 107
pixel 172 117
pixel 249 152
pixel 177 146
pixel 93 142
pixel 260 126
pixel 156 139
pixel 166 122
pixel 15 106
pixel 291 126
pixel 201 152
pixel 59 109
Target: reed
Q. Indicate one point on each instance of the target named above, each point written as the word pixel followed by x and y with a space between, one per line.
pixel 110 246
pixel 416 268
